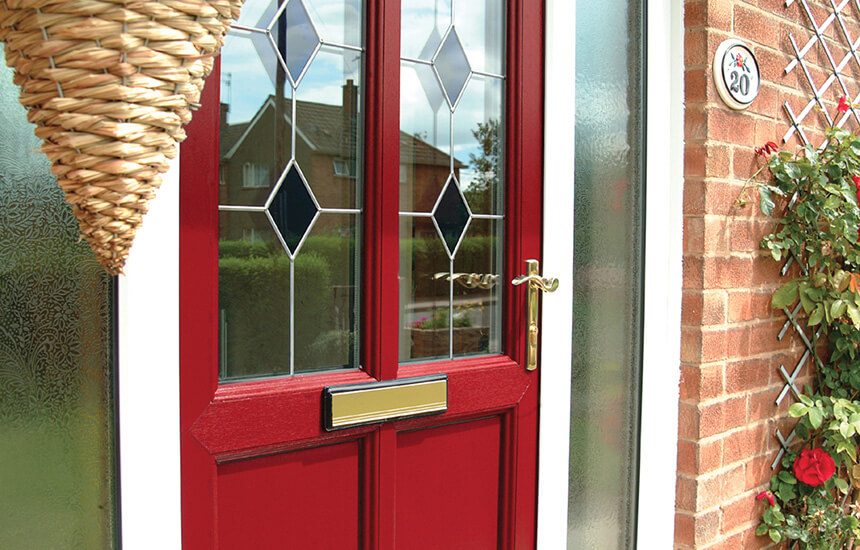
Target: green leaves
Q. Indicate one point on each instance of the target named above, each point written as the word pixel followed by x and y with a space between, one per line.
pixel 785 296
pixel 817 226
pixel 766 200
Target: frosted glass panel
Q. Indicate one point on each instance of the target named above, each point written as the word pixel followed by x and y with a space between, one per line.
pixel 607 276
pixel 56 426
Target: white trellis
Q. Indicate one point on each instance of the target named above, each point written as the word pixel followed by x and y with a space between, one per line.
pixel 815 104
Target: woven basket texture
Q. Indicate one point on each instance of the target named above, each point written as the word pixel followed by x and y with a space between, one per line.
pixel 109 85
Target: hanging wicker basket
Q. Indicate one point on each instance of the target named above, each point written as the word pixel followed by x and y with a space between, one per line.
pixel 109 85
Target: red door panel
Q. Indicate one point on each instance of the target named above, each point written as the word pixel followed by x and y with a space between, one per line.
pixel 258 468
pixel 448 486
pixel 292 500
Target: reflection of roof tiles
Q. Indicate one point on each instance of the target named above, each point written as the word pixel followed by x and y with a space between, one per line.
pixel 322 126
pixel 414 150
pixel 230 134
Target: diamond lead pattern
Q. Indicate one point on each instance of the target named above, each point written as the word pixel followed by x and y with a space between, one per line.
pixel 293 209
pixel 451 215
pixel 452 66
pixel 296 38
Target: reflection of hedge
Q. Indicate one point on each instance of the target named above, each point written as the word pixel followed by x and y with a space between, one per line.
pixel 254 296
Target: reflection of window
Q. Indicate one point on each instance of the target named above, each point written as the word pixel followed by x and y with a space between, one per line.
pixel 255 175
pixel 404 174
pixel 341 168
pixel 251 235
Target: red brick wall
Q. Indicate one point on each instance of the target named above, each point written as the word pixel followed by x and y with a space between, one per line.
pixel 729 350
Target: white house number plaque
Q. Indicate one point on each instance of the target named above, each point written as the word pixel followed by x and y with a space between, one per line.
pixel 736 74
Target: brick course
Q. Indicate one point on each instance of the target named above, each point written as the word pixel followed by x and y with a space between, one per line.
pixel 730 353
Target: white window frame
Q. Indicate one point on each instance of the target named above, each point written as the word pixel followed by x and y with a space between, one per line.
pixel 254 176
pixel 344 171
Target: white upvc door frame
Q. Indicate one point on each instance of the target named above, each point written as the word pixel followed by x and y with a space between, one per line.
pixel 148 310
pixel 661 328
pixel 148 340
pixel 663 251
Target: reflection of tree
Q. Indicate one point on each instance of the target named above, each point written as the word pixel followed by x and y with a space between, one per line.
pixel 485 165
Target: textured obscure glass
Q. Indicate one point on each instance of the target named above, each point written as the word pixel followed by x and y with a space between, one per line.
pixel 451 179
pixel 607 287
pixel 56 425
pixel 292 209
pixel 451 215
pixel 452 66
pixel 291 151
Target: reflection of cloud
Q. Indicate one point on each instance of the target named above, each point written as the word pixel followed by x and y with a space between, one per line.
pixel 473 18
pixel 251 70
pixel 250 82
pixel 337 21
pixel 481 101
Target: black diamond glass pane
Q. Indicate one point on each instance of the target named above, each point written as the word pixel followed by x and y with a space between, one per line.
pixel 293 209
pixel 296 38
pixel 453 67
pixel 451 215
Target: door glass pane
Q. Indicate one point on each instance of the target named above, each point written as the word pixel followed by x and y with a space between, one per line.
pixel 57 482
pixel 451 177
pixel 290 188
pixel 607 301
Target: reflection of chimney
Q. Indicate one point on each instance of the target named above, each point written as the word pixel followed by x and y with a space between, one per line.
pixel 350 125
pixel 225 108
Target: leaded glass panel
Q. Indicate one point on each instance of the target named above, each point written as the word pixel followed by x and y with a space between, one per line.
pixel 451 178
pixel 291 126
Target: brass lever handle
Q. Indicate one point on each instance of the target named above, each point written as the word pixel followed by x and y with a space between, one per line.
pixel 547 285
pixel 535 283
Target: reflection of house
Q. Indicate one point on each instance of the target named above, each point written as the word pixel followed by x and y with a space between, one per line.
pixel 255 153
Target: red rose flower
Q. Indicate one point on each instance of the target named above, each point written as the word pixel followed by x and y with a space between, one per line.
pixel 766 149
pixel 814 467
pixel 843 105
pixel 856 180
pixel 768 495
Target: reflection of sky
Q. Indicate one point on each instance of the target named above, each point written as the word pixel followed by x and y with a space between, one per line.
pixel 337 21
pixel 482 100
pixel 251 83
pixel 252 78
pixel 473 19
pixel 249 61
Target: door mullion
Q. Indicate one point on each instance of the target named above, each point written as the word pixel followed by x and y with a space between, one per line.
pixel 379 353
pixel 380 297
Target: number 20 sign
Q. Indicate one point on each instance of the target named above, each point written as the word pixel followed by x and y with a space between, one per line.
pixel 736 74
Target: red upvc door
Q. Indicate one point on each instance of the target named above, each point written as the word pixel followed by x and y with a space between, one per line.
pixel 260 467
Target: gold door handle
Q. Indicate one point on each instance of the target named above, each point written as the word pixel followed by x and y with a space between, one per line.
pixel 535 283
